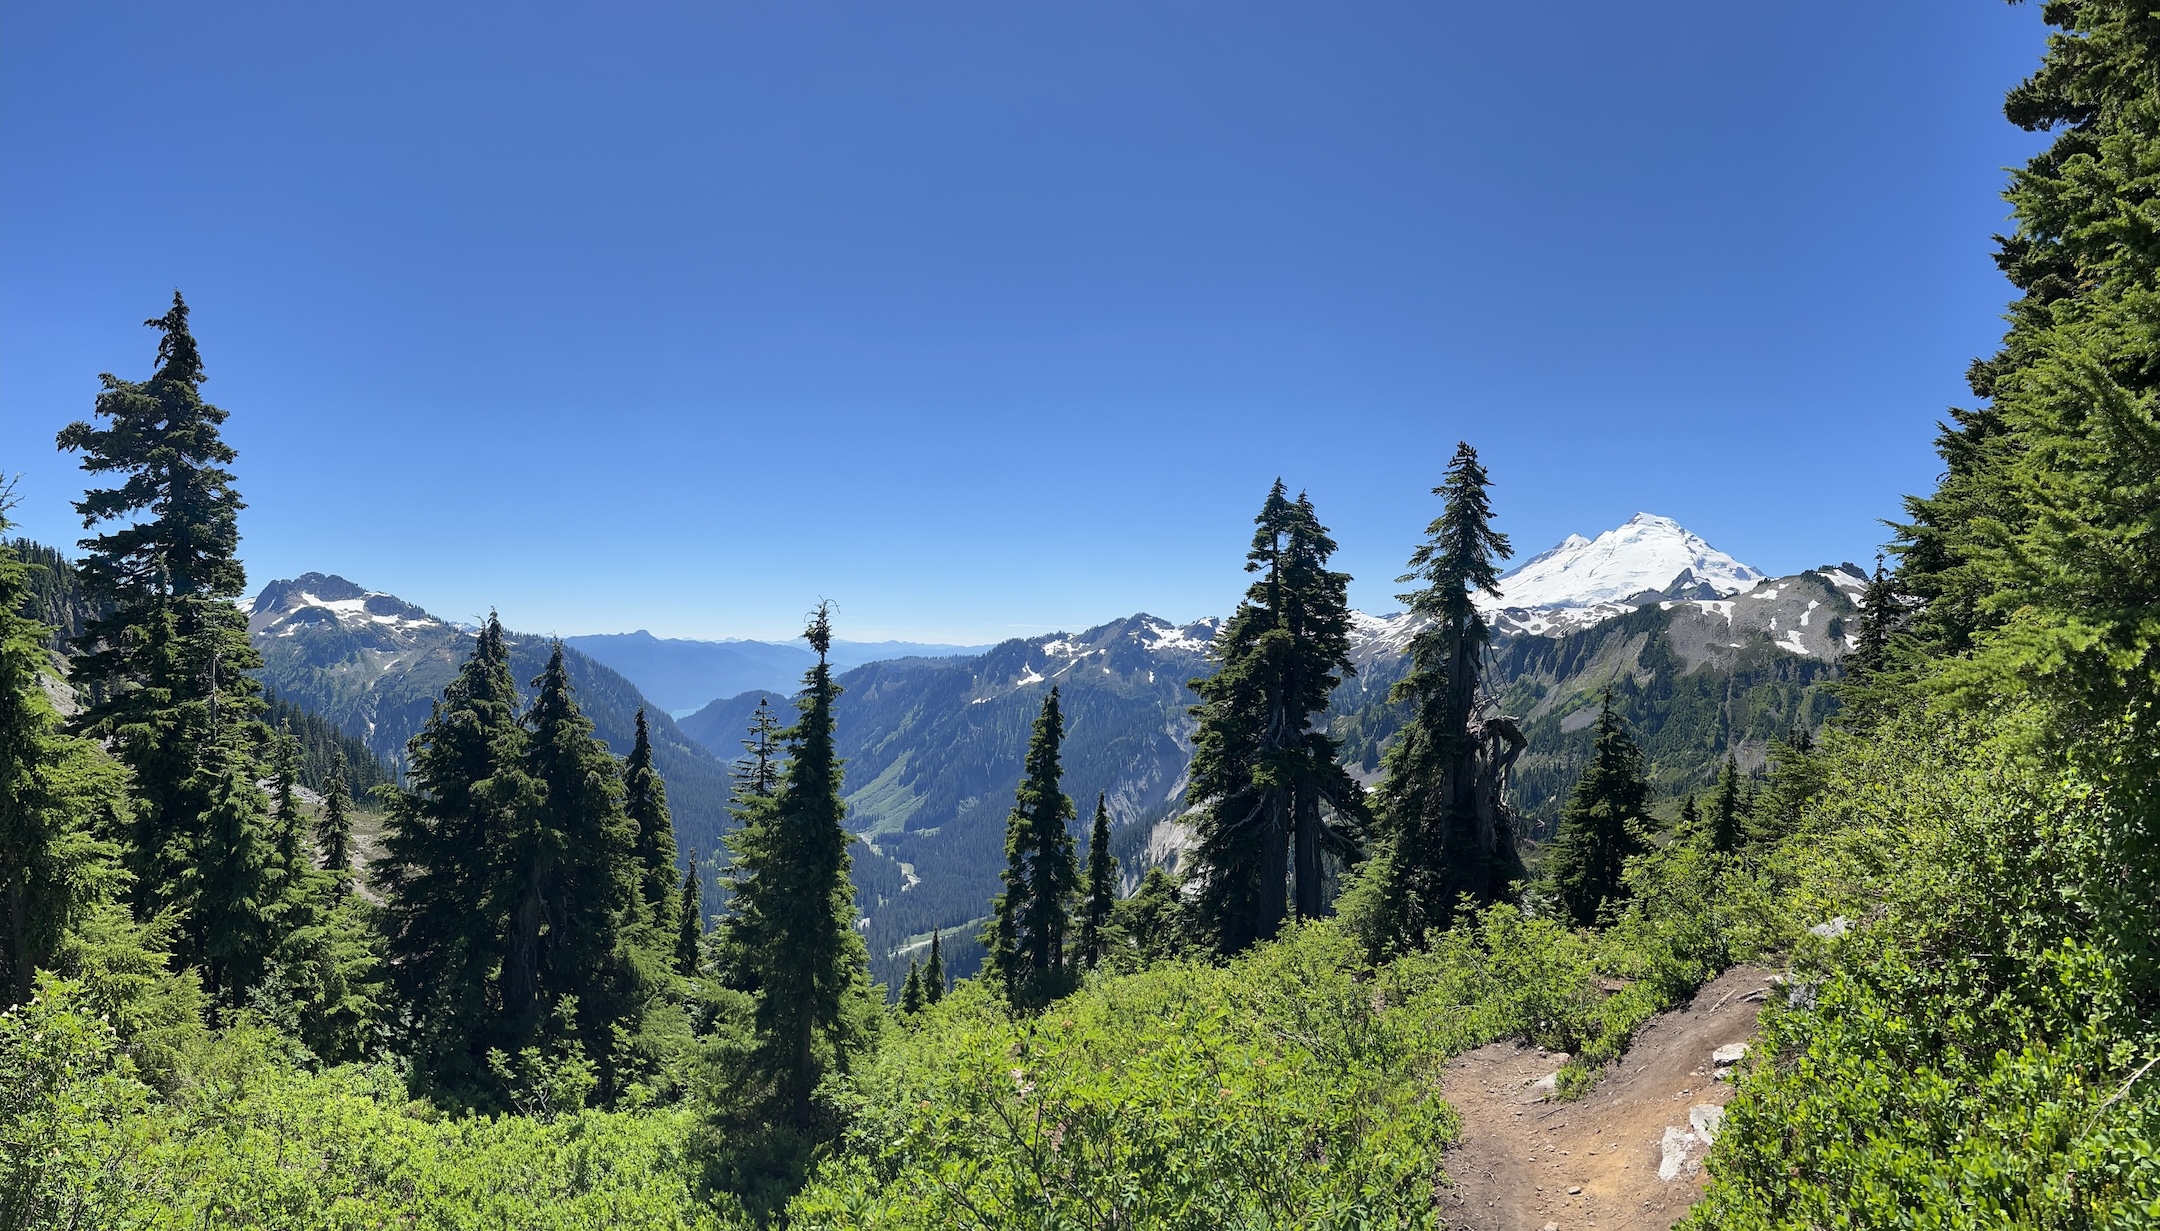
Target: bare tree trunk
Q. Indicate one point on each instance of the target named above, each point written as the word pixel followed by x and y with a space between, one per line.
pixel 1310 889
pixel 1274 865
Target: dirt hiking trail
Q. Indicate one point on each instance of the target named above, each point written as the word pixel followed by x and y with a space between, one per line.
pixel 1625 1157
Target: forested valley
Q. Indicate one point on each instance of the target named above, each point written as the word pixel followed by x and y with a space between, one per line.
pixel 525 1007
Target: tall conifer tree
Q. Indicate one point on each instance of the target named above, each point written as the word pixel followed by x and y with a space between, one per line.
pixel 1602 825
pixel 333 829
pixel 1102 886
pixel 166 668
pixel 1032 919
pixel 792 908
pixel 231 885
pixel 756 776
pixel 1725 810
pixel 1440 847
pixel 1261 770
pixel 287 839
pixel 439 851
pixel 934 972
pixel 645 800
pixel 1880 618
pixel 566 876
pixel 59 798
pixel 689 923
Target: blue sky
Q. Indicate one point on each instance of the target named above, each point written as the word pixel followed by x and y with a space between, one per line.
pixel 984 319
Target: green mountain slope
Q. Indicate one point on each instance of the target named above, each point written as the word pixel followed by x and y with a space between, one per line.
pixel 933 749
pixel 373 664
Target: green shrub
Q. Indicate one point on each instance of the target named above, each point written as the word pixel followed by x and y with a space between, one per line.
pixel 1290 1087
pixel 249 1139
pixel 1976 1054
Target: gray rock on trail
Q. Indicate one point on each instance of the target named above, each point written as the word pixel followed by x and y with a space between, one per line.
pixel 1682 1149
pixel 1706 1119
pixel 1678 1155
pixel 1541 1089
pixel 1728 1055
pixel 1832 928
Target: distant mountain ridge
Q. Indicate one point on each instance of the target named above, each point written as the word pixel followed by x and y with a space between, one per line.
pixel 679 674
pixel 933 746
pixel 373 665
pixel 1708 657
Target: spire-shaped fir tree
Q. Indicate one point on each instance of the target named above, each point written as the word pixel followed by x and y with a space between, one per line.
pixel 333 827
pixel 792 908
pixel 1602 825
pixel 1726 809
pixel 230 886
pixel 1031 920
pixel 645 801
pixel 689 923
pixel 1261 770
pixel 565 881
pixel 1441 844
pixel 756 782
pixel 288 839
pixel 440 845
pixel 165 666
pixel 1101 886
pixel 1877 620
pixel 934 972
pixel 911 993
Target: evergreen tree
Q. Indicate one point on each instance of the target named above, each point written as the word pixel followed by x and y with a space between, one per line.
pixel 1152 925
pixel 690 923
pixel 757 771
pixel 565 880
pixel 1797 776
pixel 1261 770
pixel 645 800
pixel 2035 556
pixel 1031 919
pixel 166 667
pixel 1602 825
pixel 1725 811
pixel 934 973
pixel 60 798
pixel 1879 617
pixel 756 777
pixel 1440 843
pixel 911 992
pixel 792 909
pixel 231 885
pixel 440 844
pixel 1690 815
pixel 333 829
pixel 288 852
pixel 1102 886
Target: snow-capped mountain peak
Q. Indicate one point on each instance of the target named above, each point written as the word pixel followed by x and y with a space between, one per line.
pixel 1648 553
pixel 285 608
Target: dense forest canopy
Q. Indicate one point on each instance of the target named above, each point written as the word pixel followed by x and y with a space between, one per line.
pixel 510 1009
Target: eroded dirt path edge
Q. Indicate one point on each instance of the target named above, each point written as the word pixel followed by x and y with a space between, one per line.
pixel 1626 1157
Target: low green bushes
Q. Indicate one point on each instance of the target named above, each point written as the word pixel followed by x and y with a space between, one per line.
pixel 1980 1050
pixel 248 1138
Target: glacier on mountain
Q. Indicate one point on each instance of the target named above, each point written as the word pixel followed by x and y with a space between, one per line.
pixel 1648 553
